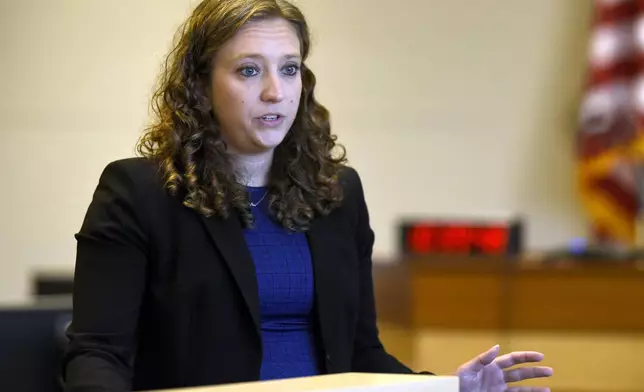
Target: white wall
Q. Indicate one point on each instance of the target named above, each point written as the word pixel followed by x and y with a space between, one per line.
pixel 446 107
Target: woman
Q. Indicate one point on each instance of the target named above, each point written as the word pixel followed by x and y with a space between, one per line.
pixel 238 247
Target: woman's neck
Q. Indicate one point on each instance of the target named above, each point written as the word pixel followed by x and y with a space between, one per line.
pixel 252 170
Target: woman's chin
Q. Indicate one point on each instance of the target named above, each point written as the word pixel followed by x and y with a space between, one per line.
pixel 269 139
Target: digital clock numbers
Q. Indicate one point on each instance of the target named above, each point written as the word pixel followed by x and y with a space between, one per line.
pixel 424 237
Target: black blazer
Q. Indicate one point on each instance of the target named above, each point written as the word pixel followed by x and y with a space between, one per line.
pixel 166 298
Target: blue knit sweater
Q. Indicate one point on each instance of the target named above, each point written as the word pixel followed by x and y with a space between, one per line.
pixel 285 282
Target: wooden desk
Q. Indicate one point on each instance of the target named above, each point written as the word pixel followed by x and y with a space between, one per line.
pixel 347 382
pixel 587 318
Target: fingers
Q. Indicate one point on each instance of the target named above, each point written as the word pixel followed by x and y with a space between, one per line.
pixel 482 360
pixel 528 389
pixel 518 357
pixel 521 374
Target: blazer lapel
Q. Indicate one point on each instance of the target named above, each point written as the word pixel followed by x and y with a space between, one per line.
pixel 229 238
pixel 322 255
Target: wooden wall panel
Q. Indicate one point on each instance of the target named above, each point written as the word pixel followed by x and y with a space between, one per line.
pixel 490 294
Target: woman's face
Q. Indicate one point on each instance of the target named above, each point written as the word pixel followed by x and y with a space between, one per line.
pixel 256 85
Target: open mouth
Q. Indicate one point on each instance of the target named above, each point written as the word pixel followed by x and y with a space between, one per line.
pixel 271 117
pixel 271 120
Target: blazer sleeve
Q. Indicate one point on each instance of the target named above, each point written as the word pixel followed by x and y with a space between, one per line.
pixel 108 284
pixel 369 352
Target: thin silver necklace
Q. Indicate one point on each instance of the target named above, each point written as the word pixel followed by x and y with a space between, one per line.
pixel 258 201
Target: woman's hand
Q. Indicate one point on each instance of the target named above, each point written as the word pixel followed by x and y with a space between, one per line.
pixel 488 372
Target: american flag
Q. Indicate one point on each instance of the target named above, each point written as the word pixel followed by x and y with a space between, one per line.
pixel 611 138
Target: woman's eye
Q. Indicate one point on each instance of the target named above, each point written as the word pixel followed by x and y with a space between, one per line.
pixel 291 70
pixel 248 71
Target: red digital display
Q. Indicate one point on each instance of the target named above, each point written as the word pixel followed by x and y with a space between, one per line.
pixel 443 238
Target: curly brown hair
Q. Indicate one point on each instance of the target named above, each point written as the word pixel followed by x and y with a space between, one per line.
pixel 185 139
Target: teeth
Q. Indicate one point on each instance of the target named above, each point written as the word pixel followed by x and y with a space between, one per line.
pixel 270 118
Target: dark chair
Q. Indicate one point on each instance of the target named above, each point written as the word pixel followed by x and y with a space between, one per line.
pixel 31 345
